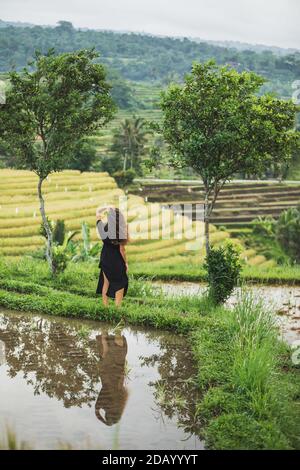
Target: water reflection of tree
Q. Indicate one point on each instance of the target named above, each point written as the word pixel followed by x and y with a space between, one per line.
pixel 52 357
pixel 175 391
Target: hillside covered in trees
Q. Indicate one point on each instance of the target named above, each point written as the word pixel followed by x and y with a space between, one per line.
pixel 141 57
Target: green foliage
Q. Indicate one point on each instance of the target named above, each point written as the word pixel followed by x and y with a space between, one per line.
pixel 217 124
pixel 122 93
pixel 240 406
pixel 59 232
pixel 49 109
pixel 263 240
pixel 84 156
pixel 11 442
pixel 62 249
pixel 288 232
pixel 111 164
pixel 223 272
pixel 248 399
pixel 68 90
pixel 193 273
pixel 30 296
pixel 238 431
pixel 42 230
pixel 148 58
pixel 87 250
pixel 124 178
pixel 264 226
pixel 63 252
pixel 129 142
pixel 60 259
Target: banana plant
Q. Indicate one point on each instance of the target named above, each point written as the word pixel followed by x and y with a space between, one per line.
pixel 87 250
pixel 62 252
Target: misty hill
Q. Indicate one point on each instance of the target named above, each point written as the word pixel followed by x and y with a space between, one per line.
pixel 143 57
pixel 243 46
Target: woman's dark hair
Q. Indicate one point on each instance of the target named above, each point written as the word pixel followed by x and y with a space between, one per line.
pixel 117 227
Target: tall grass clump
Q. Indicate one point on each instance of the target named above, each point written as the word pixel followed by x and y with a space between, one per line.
pixel 248 397
pixel 9 441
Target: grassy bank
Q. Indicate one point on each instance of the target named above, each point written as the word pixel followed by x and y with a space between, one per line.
pixel 193 273
pixel 250 389
pixel 249 386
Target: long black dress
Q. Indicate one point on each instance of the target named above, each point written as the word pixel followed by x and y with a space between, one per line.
pixel 112 398
pixel 112 264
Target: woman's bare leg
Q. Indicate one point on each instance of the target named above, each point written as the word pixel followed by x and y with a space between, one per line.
pixel 104 290
pixel 119 297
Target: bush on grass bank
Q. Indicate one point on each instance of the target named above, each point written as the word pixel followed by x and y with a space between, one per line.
pixel 223 271
pixel 124 178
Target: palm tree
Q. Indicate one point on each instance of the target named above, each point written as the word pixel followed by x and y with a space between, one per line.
pixel 130 141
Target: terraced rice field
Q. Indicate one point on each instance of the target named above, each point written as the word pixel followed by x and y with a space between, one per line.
pixel 74 197
pixel 238 203
pixel 148 96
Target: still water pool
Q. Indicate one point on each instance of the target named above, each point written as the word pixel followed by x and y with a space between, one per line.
pixel 81 384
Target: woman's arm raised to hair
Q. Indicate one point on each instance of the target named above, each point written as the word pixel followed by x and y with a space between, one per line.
pixel 99 211
pixel 98 228
pixel 99 218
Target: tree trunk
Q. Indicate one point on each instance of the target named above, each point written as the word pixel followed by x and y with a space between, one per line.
pixel 46 226
pixel 125 162
pixel 206 222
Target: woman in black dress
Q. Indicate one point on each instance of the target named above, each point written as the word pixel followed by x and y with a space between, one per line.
pixel 113 231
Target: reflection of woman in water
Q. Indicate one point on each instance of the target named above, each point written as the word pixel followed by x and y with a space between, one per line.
pixel 113 395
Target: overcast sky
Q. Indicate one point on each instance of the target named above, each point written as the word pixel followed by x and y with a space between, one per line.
pixel 270 22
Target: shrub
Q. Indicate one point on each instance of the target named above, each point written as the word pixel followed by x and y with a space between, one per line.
pixel 223 270
pixel 124 178
pixel 59 232
pixel 42 230
pixel 264 226
pixel 111 164
pixel 288 232
pixel 60 258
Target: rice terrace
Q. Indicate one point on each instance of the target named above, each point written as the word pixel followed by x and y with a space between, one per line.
pixel 149 242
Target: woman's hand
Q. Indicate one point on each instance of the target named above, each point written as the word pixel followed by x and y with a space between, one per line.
pixel 99 212
pixel 126 264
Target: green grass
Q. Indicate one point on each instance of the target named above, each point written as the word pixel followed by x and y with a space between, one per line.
pixel 195 273
pixel 247 380
pixel 27 286
pixel 10 441
pixel 248 385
